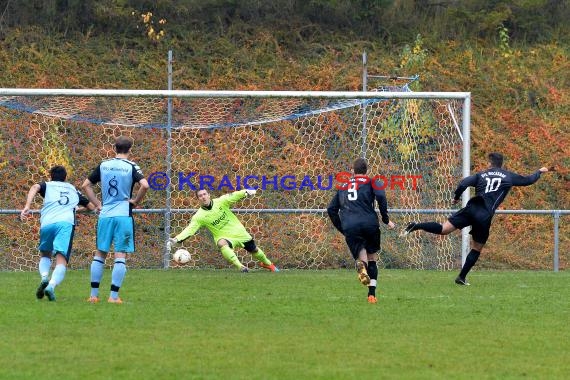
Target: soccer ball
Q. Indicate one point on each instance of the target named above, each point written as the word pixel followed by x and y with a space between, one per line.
pixel 181 256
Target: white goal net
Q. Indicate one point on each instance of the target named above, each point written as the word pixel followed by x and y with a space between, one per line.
pixel 289 145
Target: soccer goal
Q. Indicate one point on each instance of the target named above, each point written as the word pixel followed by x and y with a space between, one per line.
pixel 290 145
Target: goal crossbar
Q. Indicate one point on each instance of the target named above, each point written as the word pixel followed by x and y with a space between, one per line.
pixel 234 94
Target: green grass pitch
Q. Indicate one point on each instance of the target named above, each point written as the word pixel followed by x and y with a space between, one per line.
pixel 221 324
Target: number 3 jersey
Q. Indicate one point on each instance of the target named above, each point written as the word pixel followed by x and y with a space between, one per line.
pixel 60 200
pixel 118 177
pixel 493 185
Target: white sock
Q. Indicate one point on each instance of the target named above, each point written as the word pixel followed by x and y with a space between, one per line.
pixel 57 275
pixel 44 266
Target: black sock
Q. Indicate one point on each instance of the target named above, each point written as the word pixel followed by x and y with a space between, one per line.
pixel 372 270
pixel 470 260
pixel 373 273
pixel 432 227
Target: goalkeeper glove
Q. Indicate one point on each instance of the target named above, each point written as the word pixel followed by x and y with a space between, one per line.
pixel 250 191
pixel 170 243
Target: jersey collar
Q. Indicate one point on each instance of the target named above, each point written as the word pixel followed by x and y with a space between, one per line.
pixel 208 207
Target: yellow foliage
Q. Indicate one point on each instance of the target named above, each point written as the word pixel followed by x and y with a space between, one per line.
pixel 406 150
pixel 54 152
pixel 3 162
pixel 148 24
pixel 413 108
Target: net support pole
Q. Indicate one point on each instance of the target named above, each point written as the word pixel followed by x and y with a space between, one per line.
pixel 364 89
pixel 556 228
pixel 466 130
pixel 166 255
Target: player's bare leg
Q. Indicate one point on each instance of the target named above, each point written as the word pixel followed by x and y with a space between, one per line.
pixel 361 267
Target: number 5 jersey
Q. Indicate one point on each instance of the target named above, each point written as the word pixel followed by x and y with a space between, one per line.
pixel 60 200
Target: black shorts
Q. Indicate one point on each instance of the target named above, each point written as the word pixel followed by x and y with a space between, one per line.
pixel 248 245
pixel 475 215
pixel 367 237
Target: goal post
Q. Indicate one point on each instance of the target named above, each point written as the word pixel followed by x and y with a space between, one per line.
pixel 292 145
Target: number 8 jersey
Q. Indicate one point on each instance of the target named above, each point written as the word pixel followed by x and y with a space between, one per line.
pixel 118 177
pixel 60 200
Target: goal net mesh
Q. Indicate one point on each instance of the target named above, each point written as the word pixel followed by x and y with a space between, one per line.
pixel 290 148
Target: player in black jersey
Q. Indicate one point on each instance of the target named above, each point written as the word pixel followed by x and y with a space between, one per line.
pixel 491 188
pixel 352 212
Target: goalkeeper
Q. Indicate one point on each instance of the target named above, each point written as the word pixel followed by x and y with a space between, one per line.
pixel 226 229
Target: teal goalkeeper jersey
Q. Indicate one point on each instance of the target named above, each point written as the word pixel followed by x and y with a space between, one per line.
pixel 220 220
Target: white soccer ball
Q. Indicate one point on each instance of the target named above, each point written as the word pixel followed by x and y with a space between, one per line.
pixel 182 256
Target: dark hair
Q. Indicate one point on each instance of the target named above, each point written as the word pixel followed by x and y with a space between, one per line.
pixel 360 166
pixel 123 144
pixel 496 160
pixel 58 173
pixel 196 192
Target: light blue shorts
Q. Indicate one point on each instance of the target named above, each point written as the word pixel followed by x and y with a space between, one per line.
pixel 117 230
pixel 57 238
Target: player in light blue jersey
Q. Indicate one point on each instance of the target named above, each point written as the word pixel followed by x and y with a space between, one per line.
pixel 57 224
pixel 115 226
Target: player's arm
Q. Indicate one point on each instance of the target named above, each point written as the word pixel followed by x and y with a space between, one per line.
pixel 464 184
pixel 143 186
pixel 230 199
pixel 190 230
pixel 87 187
pixel 84 203
pixel 90 207
pixel 29 199
pixel 520 180
pixel 380 196
pixel 333 210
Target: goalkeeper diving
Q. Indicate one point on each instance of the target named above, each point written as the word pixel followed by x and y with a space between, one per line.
pixel 227 230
